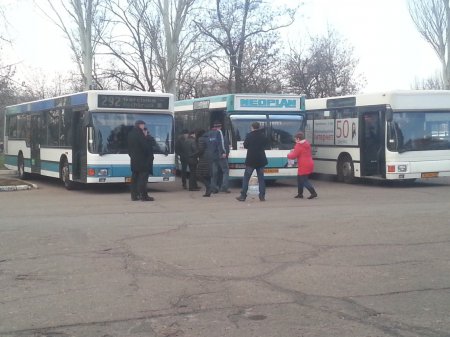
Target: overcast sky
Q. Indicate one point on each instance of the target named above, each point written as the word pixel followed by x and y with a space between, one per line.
pixel 390 50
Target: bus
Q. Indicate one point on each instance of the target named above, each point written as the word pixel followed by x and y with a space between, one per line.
pixel 82 137
pixel 282 116
pixel 396 135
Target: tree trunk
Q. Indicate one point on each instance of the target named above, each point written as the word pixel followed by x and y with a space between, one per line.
pixel 446 63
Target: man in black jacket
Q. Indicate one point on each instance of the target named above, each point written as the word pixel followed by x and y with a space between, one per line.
pixel 140 152
pixel 255 143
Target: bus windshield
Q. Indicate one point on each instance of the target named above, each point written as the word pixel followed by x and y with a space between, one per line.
pixel 111 131
pixel 280 129
pixel 419 131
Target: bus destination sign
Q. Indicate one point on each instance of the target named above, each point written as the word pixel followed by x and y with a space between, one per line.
pixel 133 102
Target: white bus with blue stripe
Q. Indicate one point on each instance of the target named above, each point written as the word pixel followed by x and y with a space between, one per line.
pixel 82 137
pixel 393 135
pixel 281 116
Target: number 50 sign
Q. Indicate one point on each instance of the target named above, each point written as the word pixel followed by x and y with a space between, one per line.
pixel 346 131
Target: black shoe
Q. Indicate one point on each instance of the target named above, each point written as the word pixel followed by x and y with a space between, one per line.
pixel 261 198
pixel 184 187
pixel 299 196
pixel 312 196
pixel 207 194
pixel 225 191
pixel 240 198
pixel 135 197
pixel 215 191
pixel 147 198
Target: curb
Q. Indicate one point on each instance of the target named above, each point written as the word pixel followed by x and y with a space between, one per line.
pixel 17 188
pixel 24 187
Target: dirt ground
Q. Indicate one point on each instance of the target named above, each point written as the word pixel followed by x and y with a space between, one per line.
pixel 9 181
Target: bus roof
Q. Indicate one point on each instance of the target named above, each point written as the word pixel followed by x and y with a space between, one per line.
pixel 252 102
pixel 73 100
pixel 398 100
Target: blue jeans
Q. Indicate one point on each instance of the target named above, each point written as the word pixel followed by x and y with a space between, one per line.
pixel 303 182
pixel 222 165
pixel 247 175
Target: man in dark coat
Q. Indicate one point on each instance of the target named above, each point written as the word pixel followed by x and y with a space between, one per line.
pixel 220 169
pixel 151 144
pixel 255 143
pixel 140 152
pixel 204 166
pixel 180 147
pixel 191 151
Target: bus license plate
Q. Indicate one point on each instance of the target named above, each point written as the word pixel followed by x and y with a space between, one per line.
pixel 430 174
pixel 128 179
pixel 270 170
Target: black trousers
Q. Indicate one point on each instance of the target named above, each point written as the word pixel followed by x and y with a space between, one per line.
pixel 139 183
pixel 184 166
pixel 206 180
pixel 193 175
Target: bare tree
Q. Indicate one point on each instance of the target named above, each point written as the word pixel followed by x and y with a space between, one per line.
pixel 233 23
pixel 430 83
pixel 38 84
pixel 432 18
pixel 89 19
pixel 7 91
pixel 130 42
pixel 327 68
pixel 262 66
pixel 155 50
pixel 175 15
pixel 3 25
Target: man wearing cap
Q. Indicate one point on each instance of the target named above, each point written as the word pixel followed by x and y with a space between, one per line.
pixel 220 162
pixel 139 151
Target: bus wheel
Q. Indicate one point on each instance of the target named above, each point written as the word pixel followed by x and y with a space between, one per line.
pixel 346 170
pixel 65 175
pixel 21 167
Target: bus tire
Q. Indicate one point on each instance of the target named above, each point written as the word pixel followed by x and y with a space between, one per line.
pixel 65 175
pixel 21 167
pixel 346 170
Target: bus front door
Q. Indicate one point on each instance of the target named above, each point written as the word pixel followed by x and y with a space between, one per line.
pixel 79 155
pixel 371 144
pixel 35 143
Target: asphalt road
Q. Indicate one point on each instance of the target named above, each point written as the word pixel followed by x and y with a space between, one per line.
pixel 365 260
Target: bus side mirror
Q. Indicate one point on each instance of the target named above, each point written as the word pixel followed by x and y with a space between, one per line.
pixel 90 136
pixel 389 116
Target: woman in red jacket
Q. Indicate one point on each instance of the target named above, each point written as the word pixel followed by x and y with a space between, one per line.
pixel 305 163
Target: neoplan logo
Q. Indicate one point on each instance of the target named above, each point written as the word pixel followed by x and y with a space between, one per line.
pixel 268 103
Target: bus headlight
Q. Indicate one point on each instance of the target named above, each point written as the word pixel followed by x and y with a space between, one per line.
pixel 402 168
pixel 166 172
pixel 102 172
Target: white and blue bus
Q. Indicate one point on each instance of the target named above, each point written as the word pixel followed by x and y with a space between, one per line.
pixel 82 138
pixel 281 116
pixel 397 135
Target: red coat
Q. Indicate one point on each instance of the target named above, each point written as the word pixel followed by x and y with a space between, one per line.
pixel 302 152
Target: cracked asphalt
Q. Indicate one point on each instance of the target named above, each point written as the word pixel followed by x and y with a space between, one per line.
pixel 363 260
